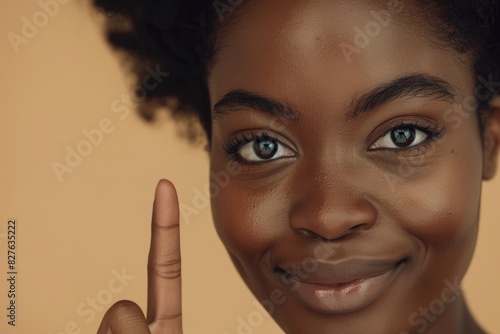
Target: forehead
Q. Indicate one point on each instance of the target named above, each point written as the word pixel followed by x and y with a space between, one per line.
pixel 325 50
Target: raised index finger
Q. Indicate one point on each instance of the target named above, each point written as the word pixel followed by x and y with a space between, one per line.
pixel 164 263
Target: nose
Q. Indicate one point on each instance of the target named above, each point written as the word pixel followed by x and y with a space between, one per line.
pixel 331 207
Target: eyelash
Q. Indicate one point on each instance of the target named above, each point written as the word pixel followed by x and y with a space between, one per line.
pixel 232 146
pixel 433 133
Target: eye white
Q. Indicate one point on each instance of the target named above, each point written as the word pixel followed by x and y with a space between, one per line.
pixel 247 152
pixel 386 140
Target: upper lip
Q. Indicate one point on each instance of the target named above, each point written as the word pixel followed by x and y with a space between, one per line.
pixel 344 271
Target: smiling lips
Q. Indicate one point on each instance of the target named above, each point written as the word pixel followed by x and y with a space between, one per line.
pixel 343 287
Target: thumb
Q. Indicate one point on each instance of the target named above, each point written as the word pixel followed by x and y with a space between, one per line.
pixel 124 317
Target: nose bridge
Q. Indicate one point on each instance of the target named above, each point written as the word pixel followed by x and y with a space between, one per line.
pixel 332 202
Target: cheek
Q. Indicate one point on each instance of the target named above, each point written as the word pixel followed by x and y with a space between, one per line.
pixel 248 218
pixel 441 207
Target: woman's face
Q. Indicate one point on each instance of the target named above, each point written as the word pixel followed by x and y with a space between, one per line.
pixel 354 162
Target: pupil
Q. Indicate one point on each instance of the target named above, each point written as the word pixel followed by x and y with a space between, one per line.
pixel 403 137
pixel 266 148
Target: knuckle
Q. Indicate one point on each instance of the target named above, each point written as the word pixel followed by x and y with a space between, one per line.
pixel 164 318
pixel 166 228
pixel 169 268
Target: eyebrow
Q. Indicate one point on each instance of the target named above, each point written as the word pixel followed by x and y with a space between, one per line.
pixel 237 100
pixel 417 85
pixel 412 85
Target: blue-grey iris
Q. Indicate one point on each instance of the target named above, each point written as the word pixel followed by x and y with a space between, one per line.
pixel 403 137
pixel 265 148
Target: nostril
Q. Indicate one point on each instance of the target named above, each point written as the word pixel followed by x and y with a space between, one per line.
pixel 358 227
pixel 328 237
pixel 348 233
pixel 309 234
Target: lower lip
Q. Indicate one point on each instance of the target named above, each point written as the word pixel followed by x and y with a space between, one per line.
pixel 344 298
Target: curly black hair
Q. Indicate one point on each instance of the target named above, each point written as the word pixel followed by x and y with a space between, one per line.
pixel 178 36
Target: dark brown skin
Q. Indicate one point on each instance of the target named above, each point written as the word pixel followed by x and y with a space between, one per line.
pixel 332 184
pixel 164 276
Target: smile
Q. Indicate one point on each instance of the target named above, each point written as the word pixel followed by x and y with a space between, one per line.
pixel 345 287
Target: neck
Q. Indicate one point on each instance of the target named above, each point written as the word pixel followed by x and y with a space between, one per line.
pixel 457 320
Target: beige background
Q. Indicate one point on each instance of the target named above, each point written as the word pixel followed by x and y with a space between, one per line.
pixel 73 234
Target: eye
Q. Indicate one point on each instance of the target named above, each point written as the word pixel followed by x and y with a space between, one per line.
pixel 257 148
pixel 401 137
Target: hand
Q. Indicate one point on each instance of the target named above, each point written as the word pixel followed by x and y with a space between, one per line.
pixel 164 276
